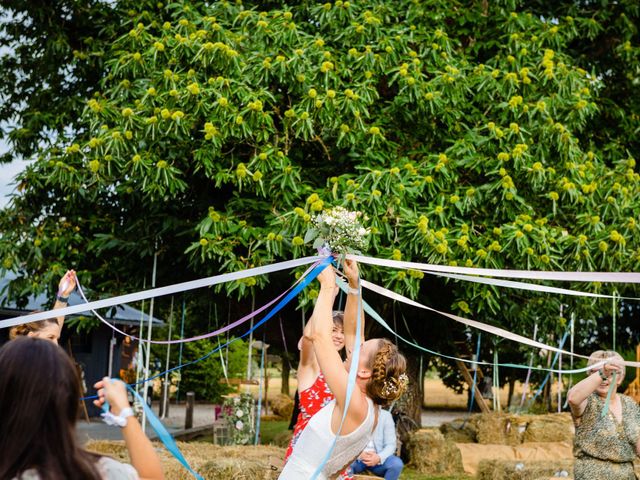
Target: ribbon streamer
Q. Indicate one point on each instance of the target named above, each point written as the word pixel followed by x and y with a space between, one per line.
pixel 158 292
pixel 291 295
pixel 373 314
pixel 198 337
pixel 165 437
pixel 607 401
pixel 605 277
pixel 527 286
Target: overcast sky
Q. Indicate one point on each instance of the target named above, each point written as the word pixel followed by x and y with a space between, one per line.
pixel 8 171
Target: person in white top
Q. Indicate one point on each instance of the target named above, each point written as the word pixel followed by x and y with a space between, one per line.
pixel 39 401
pixel 380 380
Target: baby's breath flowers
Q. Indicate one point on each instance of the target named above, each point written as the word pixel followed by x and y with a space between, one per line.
pixel 340 230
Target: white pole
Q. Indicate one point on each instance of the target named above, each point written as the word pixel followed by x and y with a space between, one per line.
pixel 140 344
pixel 560 372
pixel 165 390
pixel 253 308
pixel 149 328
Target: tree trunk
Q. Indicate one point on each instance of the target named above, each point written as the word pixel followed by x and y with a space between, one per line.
pixel 512 388
pixel 286 369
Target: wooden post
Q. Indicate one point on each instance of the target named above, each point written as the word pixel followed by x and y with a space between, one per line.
pixel 482 403
pixel 188 418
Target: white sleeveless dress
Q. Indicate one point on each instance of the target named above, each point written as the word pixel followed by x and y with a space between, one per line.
pixel 315 441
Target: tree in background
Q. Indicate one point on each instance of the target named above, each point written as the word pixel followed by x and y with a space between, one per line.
pixel 478 135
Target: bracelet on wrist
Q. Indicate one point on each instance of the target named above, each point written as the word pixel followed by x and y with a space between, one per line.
pixel 353 291
pixel 62 299
pixel 117 420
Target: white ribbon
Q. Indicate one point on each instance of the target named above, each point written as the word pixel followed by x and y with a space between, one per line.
pixel 158 292
pixel 525 286
pixel 605 277
pixel 475 324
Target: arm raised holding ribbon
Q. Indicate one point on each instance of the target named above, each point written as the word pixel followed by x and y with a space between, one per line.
pixel 333 438
pixel 351 271
pixel 143 456
pixel 50 328
pixel 607 423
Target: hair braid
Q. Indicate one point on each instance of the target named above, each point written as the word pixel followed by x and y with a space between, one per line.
pixel 388 379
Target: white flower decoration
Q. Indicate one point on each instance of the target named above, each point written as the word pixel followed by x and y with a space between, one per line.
pixel 239 425
pixel 239 413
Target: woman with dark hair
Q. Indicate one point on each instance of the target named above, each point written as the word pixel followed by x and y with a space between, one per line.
pixel 39 394
pixel 49 328
pixel 380 380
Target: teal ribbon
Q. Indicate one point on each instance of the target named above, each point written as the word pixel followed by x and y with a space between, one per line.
pixel 162 433
pixel 607 401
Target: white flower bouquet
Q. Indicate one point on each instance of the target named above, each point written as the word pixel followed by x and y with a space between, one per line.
pixel 339 230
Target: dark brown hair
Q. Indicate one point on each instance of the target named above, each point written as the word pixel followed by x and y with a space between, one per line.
pixel 388 379
pixel 39 399
pixel 338 318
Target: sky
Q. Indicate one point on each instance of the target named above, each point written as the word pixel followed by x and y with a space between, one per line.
pixel 8 171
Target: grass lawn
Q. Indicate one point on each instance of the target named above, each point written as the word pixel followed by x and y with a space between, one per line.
pixel 269 429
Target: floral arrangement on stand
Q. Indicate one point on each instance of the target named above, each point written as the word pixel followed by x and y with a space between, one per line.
pixel 239 412
pixel 339 231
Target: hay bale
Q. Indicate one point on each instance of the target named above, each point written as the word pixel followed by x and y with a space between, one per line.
pixel 459 431
pixel 519 470
pixel 500 429
pixel 553 427
pixel 282 439
pixel 282 406
pixel 211 461
pixel 431 453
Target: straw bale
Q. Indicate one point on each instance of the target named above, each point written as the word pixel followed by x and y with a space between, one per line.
pixel 544 451
pixel 282 439
pixel 431 453
pixel 501 428
pixel 459 431
pixel 519 470
pixel 211 461
pixel 473 453
pixel 553 427
pixel 282 406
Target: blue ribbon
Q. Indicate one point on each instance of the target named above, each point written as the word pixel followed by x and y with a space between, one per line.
pixel 290 296
pixel 162 433
pixel 157 425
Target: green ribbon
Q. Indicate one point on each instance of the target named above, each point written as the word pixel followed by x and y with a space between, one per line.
pixel 607 401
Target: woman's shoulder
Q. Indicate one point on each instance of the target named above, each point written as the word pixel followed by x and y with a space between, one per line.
pixel 111 469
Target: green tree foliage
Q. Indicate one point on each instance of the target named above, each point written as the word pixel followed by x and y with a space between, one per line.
pixel 480 134
pixel 207 378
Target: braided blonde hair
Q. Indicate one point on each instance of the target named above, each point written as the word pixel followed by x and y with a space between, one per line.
pixel 388 379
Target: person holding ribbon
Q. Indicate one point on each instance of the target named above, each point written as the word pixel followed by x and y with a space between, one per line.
pixel 313 391
pixel 50 328
pixel 607 423
pixel 39 392
pixel 380 379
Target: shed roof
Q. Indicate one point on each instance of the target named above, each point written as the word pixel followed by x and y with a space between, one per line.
pixel 119 315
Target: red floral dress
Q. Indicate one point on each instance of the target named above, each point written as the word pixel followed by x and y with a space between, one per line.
pixel 311 402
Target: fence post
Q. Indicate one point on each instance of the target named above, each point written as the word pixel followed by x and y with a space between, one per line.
pixel 188 418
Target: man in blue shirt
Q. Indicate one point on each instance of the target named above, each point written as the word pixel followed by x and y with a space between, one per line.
pixel 379 455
